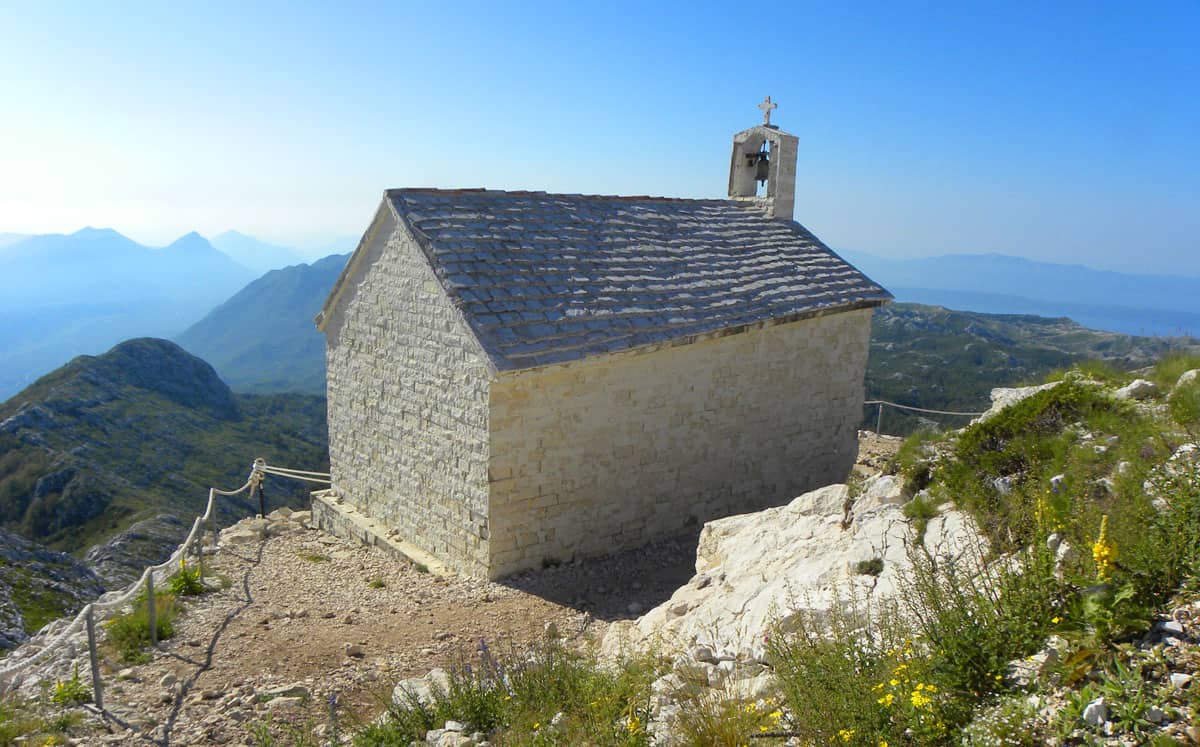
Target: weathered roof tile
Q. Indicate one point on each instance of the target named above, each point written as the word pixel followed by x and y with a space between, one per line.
pixel 546 278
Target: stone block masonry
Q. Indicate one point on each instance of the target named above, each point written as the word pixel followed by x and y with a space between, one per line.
pixel 408 406
pixel 607 453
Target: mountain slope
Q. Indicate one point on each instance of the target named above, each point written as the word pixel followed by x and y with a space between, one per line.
pixel 84 292
pixel 142 430
pixel 263 338
pixel 259 256
pixel 38 585
pixel 928 356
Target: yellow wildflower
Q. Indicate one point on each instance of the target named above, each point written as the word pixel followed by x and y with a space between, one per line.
pixel 1055 620
pixel 633 725
pixel 1104 552
pixel 886 700
pixel 893 682
pixel 920 699
pixel 846 734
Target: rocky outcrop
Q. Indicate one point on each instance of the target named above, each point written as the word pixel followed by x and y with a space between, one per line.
pixel 37 585
pixel 149 542
pixel 759 569
pixel 1004 397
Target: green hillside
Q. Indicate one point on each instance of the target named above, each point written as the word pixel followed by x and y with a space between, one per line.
pixel 141 430
pixel 263 338
pixel 936 358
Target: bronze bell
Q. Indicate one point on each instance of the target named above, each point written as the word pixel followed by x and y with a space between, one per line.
pixel 762 165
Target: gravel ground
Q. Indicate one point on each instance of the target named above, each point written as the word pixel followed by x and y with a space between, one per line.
pixel 309 612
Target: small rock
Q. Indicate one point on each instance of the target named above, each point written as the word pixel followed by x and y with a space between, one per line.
pixel 295 690
pixel 703 654
pixel 355 650
pixel 1180 681
pixel 280 704
pixel 1155 715
pixel 127 674
pixel 1193 733
pixel 1137 389
pixel 1172 628
pixel 455 726
pixel 168 679
pixel 1096 712
pixel 442 635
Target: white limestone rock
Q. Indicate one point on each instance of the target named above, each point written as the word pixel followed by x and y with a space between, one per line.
pixel 1003 397
pixel 423 689
pixel 1096 712
pixel 1138 389
pixel 880 490
pixel 759 568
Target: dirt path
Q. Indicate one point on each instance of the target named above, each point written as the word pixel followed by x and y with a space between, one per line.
pixel 314 614
pixel 339 619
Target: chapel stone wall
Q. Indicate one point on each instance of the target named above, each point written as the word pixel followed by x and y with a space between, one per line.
pixel 605 454
pixel 408 406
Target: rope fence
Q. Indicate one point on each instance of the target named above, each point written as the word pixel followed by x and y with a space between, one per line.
pixel 883 402
pixel 156 574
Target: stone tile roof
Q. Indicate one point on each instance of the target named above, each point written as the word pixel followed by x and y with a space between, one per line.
pixel 545 278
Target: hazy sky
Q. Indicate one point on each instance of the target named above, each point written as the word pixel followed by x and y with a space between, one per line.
pixel 1059 131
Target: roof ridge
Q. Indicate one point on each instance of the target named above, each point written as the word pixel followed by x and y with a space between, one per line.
pixel 401 191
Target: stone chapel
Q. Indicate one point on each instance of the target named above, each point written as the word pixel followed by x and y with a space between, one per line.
pixel 521 378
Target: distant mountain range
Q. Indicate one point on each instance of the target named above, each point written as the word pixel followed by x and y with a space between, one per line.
pixel 264 338
pixel 250 252
pixel 997 283
pixel 83 292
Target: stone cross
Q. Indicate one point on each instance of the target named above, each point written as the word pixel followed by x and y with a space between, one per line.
pixel 767 105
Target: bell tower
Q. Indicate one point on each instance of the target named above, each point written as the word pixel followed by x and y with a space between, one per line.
pixel 765 155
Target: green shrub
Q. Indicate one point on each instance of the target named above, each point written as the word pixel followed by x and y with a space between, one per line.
pixel 187 581
pixel 71 692
pixel 919 511
pixel 129 634
pixel 913 460
pixel 872 567
pixel 1184 404
pixel 721 719
pixel 1171 367
pixel 975 617
pixel 516 697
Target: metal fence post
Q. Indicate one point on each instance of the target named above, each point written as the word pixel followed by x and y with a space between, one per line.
pixel 150 608
pixel 879 421
pixel 97 687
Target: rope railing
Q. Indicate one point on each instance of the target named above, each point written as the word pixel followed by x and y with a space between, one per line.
pixel 155 574
pixel 883 402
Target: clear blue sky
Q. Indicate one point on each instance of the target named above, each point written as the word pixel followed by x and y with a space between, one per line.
pixel 1059 131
